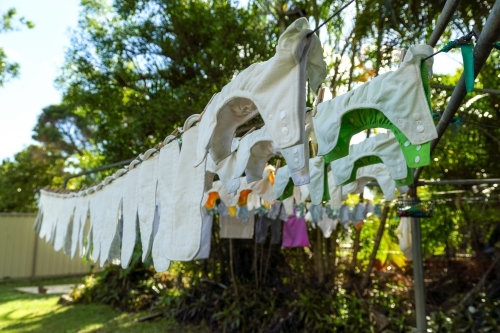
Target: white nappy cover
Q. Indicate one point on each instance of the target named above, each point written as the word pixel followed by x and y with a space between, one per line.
pixel 386 148
pixel 249 155
pixel 167 166
pixel 184 217
pixel 365 174
pixel 317 183
pixel 67 206
pixel 297 157
pixel 146 190
pixel 276 89
pixel 113 190
pixel 399 95
pixel 327 225
pixel 264 188
pixel 281 180
pixel 335 192
pixel 129 207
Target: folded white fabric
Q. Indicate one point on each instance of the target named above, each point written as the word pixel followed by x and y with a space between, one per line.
pixel 98 203
pixel 206 235
pixel 401 99
pixel 146 190
pixel 276 89
pixel 130 199
pixel 380 174
pixel 404 235
pixel 167 166
pixel 113 192
pixel 249 155
pixel 68 233
pixel 83 214
pixel 376 149
pixel 184 217
pixel 81 206
pixel 67 205
pixel 43 218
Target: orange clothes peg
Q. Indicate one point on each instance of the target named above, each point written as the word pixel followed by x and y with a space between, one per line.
pixel 212 198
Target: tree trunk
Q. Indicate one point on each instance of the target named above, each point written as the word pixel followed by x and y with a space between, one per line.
pixel 376 245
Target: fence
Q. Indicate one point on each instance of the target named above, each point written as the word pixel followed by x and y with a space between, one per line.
pixel 23 254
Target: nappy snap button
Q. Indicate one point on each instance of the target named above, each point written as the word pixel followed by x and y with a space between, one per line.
pixel 295 151
pixel 417 116
pixel 417 159
pixel 407 143
pixel 420 128
pixel 399 169
pixel 400 121
pixel 351 120
pixel 337 148
pixel 282 114
pixel 419 147
pixel 419 122
pixel 422 136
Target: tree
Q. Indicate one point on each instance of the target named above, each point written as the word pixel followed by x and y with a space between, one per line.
pixel 9 22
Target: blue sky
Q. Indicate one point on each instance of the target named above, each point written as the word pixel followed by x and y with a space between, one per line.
pixel 40 52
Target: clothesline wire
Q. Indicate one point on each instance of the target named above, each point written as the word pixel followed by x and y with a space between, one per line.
pixel 331 17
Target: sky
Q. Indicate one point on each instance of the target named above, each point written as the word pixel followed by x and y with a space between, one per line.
pixel 40 53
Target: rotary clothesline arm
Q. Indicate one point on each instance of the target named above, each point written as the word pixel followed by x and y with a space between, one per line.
pixel 485 43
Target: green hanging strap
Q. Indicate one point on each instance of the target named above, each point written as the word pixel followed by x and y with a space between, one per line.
pixel 467 55
pixel 468 58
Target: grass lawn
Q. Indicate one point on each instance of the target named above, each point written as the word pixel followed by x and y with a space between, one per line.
pixel 20 312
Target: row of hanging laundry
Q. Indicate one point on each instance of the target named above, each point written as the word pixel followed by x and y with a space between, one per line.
pixel 162 193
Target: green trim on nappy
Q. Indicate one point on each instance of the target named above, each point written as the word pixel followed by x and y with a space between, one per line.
pixel 373 159
pixel 288 191
pixel 326 189
pixel 358 120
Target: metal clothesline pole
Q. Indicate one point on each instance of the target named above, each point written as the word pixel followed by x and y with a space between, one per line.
pixel 478 90
pixel 418 268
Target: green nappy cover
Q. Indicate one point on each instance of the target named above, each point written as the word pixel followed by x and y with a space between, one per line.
pixel 358 120
pixel 372 159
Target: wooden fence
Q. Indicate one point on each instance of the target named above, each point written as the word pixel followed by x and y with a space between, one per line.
pixel 24 255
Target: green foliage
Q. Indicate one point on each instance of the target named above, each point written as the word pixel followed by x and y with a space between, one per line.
pixel 137 69
pixel 20 179
pixel 9 22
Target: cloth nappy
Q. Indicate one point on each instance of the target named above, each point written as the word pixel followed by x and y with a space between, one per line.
pixel 276 89
pixel 380 174
pixel 398 101
pixel 377 149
